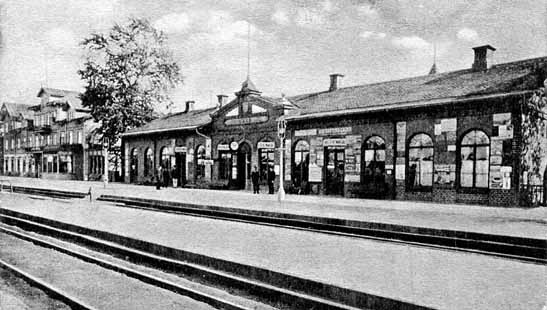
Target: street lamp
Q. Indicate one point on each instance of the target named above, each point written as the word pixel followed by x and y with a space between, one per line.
pixel 281 125
pixel 105 154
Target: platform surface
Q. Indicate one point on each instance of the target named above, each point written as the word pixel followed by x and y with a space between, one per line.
pixel 436 278
pixel 520 222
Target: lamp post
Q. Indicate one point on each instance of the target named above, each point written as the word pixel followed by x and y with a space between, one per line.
pixel 105 153
pixel 281 124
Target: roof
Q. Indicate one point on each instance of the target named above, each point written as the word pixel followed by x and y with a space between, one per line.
pixel 178 121
pixel 16 109
pixel 502 78
pixel 68 96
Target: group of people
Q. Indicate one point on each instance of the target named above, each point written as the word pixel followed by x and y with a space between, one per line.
pixel 164 176
pixel 255 178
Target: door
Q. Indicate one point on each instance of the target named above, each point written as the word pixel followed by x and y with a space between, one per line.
pixel 180 162
pixel 373 182
pixel 243 165
pixel 334 165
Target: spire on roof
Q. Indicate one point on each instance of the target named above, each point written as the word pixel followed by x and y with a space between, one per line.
pixel 433 69
pixel 248 88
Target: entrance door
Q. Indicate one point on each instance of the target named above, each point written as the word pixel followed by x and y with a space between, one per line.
pixel 243 165
pixel 180 161
pixel 334 165
pixel 38 164
pixel 134 166
pixel 373 170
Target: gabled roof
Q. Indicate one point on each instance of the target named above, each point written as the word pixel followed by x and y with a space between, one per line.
pixel 502 78
pixel 178 121
pixel 70 97
pixel 18 109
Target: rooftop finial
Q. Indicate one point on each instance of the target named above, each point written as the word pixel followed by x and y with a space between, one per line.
pixel 433 69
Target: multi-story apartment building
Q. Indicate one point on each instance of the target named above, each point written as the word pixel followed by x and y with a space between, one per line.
pixel 50 139
pixel 14 121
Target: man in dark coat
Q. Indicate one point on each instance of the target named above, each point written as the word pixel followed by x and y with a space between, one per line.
pixel 175 175
pixel 166 176
pixel 159 177
pixel 271 179
pixel 255 177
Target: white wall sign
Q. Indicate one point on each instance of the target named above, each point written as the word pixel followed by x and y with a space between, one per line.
pixel 305 132
pixel 449 124
pixel 223 147
pixel 334 131
pixel 234 146
pixel 180 149
pixel 334 142
pixel 352 178
pixel 265 145
pixel 207 147
pixel 315 173
pixel 400 172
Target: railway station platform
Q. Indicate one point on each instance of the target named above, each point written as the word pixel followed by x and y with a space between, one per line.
pixel 432 278
pixel 517 222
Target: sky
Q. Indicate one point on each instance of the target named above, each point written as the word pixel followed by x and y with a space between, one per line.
pixel 294 45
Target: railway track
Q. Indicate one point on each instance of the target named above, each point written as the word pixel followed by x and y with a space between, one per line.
pixel 74 302
pixel 262 287
pixel 522 249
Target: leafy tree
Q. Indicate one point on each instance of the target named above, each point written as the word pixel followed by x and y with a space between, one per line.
pixel 534 130
pixel 127 71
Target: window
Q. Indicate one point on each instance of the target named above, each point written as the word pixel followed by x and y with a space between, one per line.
pixel 70 137
pixel 63 134
pixel 149 162
pixel 48 140
pixel 301 160
pixel 474 160
pixel 266 160
pixel 420 162
pixel 54 139
pixel 65 163
pixel 200 162
pixel 224 165
pixel 165 157
pixel 79 137
pixel 18 143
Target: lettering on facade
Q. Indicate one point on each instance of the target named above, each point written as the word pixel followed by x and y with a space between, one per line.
pixel 334 131
pixel 305 132
pixel 223 147
pixel 180 149
pixel 334 142
pixel 246 120
pixel 266 145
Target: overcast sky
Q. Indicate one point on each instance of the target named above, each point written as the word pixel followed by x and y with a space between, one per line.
pixel 295 45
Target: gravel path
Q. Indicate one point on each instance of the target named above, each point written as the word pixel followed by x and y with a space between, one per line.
pixel 96 286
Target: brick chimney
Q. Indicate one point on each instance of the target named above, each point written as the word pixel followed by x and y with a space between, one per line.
pixel 483 57
pixel 189 106
pixel 222 100
pixel 335 81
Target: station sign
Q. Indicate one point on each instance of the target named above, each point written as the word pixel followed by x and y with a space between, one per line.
pixel 334 131
pixel 334 142
pixel 180 149
pixel 266 145
pixel 305 132
pixel 223 147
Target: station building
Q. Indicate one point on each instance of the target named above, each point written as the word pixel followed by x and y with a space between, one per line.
pixel 445 137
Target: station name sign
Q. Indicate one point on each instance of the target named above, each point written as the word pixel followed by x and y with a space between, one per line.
pixel 223 147
pixel 180 149
pixel 266 145
pixel 334 131
pixel 246 120
pixel 334 142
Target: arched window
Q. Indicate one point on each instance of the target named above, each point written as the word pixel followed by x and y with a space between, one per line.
pixel 374 165
pixel 165 158
pixel 301 160
pixel 200 162
pixel 420 161
pixel 474 160
pixel 148 162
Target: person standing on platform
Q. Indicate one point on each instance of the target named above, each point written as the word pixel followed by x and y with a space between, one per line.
pixel 271 179
pixel 159 177
pixel 255 177
pixel 166 176
pixel 175 176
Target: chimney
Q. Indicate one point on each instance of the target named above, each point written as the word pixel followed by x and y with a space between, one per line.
pixel 222 100
pixel 335 81
pixel 189 106
pixel 483 57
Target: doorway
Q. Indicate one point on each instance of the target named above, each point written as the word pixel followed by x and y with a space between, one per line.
pixel 334 166
pixel 180 162
pixel 373 181
pixel 243 162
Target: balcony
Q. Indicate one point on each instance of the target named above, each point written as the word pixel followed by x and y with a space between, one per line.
pixel 43 129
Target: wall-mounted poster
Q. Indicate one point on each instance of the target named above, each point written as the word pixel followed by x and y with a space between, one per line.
pixel 448 124
pixel 503 129
pixel 443 174
pixel 315 173
pixel 506 176
pixel 496 180
pixel 400 172
pixel 495 160
pixel 401 136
